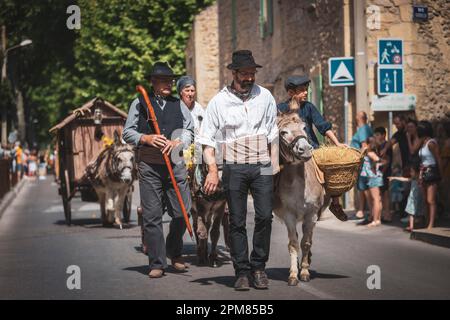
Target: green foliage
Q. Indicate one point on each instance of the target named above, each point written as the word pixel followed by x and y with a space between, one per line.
pixel 113 51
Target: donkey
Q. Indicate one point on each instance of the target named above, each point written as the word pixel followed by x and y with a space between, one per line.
pixel 112 174
pixel 298 195
pixel 208 214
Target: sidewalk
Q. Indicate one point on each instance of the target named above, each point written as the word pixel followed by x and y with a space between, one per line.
pixel 439 235
pixel 11 195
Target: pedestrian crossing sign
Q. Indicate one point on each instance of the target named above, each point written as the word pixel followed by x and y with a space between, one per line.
pixel 341 71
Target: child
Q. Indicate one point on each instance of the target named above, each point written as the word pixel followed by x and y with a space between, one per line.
pixel 396 188
pixel 371 180
pixel 380 137
pixel 414 203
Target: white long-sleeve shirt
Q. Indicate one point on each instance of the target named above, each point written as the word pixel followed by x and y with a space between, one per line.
pixel 229 119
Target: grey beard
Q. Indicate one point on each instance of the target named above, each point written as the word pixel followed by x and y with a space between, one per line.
pixel 241 95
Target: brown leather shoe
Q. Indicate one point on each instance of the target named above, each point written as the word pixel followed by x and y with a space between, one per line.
pixel 242 283
pixel 156 273
pixel 179 264
pixel 336 209
pixel 260 280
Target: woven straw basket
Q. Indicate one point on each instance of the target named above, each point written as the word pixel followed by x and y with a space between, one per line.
pixel 340 167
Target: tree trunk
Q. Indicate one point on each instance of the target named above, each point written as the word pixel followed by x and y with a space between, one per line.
pixel 20 116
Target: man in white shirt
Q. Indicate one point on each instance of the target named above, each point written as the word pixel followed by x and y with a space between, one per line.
pixel 242 117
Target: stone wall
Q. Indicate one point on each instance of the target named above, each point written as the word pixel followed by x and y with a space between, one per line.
pixel 305 35
pixel 307 32
pixel 426 52
pixel 202 54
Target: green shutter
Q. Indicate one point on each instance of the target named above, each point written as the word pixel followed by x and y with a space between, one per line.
pixel 319 89
pixel 317 101
pixel 261 19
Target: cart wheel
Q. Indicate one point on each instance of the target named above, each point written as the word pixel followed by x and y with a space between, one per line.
pixel 67 211
pixel 127 207
pixel 65 193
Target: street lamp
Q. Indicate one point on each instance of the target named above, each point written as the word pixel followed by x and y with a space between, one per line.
pixel 4 76
pixel 24 43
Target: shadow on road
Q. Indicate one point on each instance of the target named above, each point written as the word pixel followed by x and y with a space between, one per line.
pixel 93 223
pixel 227 281
pixel 282 274
pixel 144 269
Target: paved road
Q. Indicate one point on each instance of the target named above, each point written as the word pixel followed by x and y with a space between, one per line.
pixel 36 247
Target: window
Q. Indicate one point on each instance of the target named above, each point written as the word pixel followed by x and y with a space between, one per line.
pixel 266 18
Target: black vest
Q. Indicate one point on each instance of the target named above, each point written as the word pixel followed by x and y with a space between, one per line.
pixel 169 119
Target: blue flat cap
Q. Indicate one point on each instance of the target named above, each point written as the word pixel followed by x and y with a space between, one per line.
pixel 185 81
pixel 293 82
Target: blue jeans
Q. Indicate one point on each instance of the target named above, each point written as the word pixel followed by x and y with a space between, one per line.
pixel 365 182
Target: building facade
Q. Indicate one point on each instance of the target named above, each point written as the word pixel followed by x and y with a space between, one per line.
pixel 298 37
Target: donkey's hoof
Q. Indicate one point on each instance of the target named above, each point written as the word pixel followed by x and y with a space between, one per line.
pixel 304 277
pixel 214 264
pixel 292 282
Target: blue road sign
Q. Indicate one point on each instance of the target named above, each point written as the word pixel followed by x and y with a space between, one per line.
pixel 420 13
pixel 341 71
pixel 390 80
pixel 390 52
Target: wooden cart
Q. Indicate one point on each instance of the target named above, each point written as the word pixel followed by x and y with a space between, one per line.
pixel 78 142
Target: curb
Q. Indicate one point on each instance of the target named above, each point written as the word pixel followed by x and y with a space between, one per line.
pixel 10 196
pixel 441 239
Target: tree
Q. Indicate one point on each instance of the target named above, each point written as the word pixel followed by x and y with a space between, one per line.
pixel 112 52
pixel 120 40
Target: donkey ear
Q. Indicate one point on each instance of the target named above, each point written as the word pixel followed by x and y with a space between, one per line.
pixel 117 139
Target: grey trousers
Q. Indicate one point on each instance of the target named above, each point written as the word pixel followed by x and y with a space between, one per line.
pixel 156 190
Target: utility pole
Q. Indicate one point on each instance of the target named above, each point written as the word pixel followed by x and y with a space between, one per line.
pixel 4 109
pixel 361 77
pixel 17 91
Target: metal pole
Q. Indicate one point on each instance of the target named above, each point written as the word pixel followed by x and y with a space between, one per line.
pixel 4 109
pixel 390 125
pixel 346 197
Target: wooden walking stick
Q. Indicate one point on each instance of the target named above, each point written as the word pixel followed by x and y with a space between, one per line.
pixel 142 91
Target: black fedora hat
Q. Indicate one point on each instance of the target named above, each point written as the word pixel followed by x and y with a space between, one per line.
pixel 242 59
pixel 162 69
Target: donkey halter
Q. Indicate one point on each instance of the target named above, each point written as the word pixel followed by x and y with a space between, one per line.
pixel 290 146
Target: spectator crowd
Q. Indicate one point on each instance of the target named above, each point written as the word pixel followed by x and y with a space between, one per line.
pixel 416 186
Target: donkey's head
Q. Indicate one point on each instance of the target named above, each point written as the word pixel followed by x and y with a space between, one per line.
pixel 123 166
pixel 294 143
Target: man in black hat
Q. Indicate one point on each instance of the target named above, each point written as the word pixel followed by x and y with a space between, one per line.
pixel 297 89
pixel 242 117
pixel 155 186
